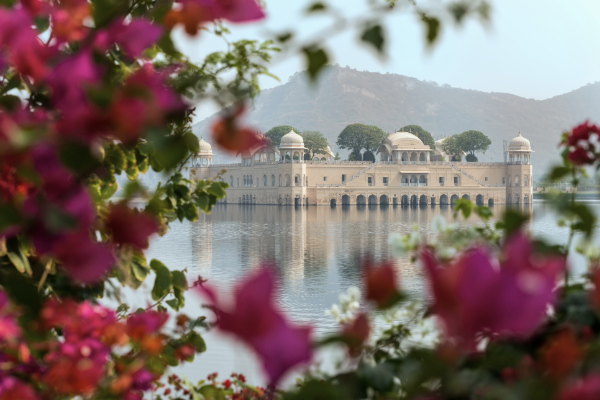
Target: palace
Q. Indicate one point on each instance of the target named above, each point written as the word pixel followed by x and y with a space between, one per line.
pixel 406 174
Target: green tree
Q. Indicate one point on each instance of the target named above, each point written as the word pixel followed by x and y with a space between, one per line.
pixel 276 133
pixel 451 147
pixel 421 133
pixel 356 137
pixel 315 143
pixel 473 141
pixel 337 156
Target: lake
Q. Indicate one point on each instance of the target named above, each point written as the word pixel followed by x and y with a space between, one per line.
pixel 317 251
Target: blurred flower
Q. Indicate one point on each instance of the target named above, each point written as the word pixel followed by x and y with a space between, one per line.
pixel 231 137
pixel 402 244
pixel 9 327
pixel 144 323
pixel 68 19
pixel 76 368
pixel 356 334
pixel 14 389
pixel 473 296
pixel 560 354
pixel 583 144
pixel 21 43
pixel 193 13
pixel 381 282
pixel 132 38
pixel 587 388
pixel 143 101
pixel 255 319
pixel 595 293
pixel 349 304
pixel 132 227
pixel 11 185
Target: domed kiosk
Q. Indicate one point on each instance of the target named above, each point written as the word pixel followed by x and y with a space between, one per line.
pixel 404 148
pixel 205 154
pixel 519 189
pixel 292 147
pixel 519 150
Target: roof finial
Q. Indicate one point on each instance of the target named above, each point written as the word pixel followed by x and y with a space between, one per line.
pixel 519 132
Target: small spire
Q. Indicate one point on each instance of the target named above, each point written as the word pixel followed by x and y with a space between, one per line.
pixel 519 132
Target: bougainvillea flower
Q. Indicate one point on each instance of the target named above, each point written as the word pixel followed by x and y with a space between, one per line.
pixel 381 282
pixel 132 38
pixel 587 388
pixel 11 185
pixel 68 19
pixel 131 227
pixel 193 13
pixel 255 319
pixel 583 144
pixel 84 260
pixel 142 324
pixel 76 368
pixel 143 101
pixel 560 354
pixel 70 79
pixel 473 295
pixel 24 49
pixel 14 389
pixel 231 137
pixel 9 328
pixel 356 333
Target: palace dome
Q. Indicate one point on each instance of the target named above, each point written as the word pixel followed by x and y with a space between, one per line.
pixel 519 144
pixel 400 138
pixel 291 139
pixel 205 147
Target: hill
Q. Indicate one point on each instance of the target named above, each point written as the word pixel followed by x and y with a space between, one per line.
pixel 345 95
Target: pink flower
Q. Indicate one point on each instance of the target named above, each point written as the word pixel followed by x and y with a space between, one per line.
pixel 68 20
pixel 255 320
pixel 381 282
pixel 579 144
pixel 131 227
pixel 9 328
pixel 14 389
pixel 133 38
pixel 76 367
pixel 233 138
pixel 142 324
pixel 356 333
pixel 473 296
pixel 68 316
pixel 586 389
pixel 143 101
pixel 193 13
pixel 24 49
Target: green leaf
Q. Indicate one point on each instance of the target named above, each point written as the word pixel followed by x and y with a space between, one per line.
pixel 10 102
pixel 380 376
pixel 192 142
pixel 316 59
pixel 484 212
pixel 139 268
pixel 162 284
pixel 190 212
pixel 8 216
pixel 42 24
pixel 21 290
pixel 512 221
pixel 374 36
pixel 17 256
pixel 104 11
pixel 179 280
pixel 217 189
pixel 196 341
pixel 173 303
pixel 115 157
pixel 284 37
pixel 432 26
pixel 316 7
pixel 465 206
pixel 587 219
pixel 559 172
pixel 107 190
pixel 210 392
pixel 204 204
pixel 78 157
pixel 169 356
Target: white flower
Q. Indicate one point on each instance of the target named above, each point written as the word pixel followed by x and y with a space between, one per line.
pixel 439 224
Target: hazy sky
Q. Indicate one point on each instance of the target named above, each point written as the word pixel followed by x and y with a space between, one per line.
pixel 531 48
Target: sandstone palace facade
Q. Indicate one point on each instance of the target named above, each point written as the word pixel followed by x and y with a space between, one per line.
pixel 406 174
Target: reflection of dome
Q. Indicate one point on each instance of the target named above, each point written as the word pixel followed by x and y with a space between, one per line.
pixel 403 138
pixel 205 147
pixel 292 139
pixel 519 144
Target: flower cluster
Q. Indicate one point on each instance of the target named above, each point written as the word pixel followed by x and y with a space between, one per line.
pixel 583 144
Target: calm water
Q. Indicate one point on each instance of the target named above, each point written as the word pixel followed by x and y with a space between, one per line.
pixel 317 252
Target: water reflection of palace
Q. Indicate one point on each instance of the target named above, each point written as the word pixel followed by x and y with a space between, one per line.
pixel 405 174
pixel 315 246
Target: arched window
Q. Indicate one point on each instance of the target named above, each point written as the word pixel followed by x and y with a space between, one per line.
pixel 264 180
pixel 238 182
pixel 279 179
pixel 526 181
pixel 272 180
pixel 230 180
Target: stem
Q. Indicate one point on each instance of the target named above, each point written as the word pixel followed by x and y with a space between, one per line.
pixel 45 275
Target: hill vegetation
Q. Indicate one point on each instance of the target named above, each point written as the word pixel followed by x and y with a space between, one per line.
pixel 346 96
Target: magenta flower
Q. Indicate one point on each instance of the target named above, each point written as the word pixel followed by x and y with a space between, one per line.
pixel 142 324
pixel 9 328
pixel 473 295
pixel 255 319
pixel 587 388
pixel 133 38
pixel 13 389
pixel 20 41
pixel 131 227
